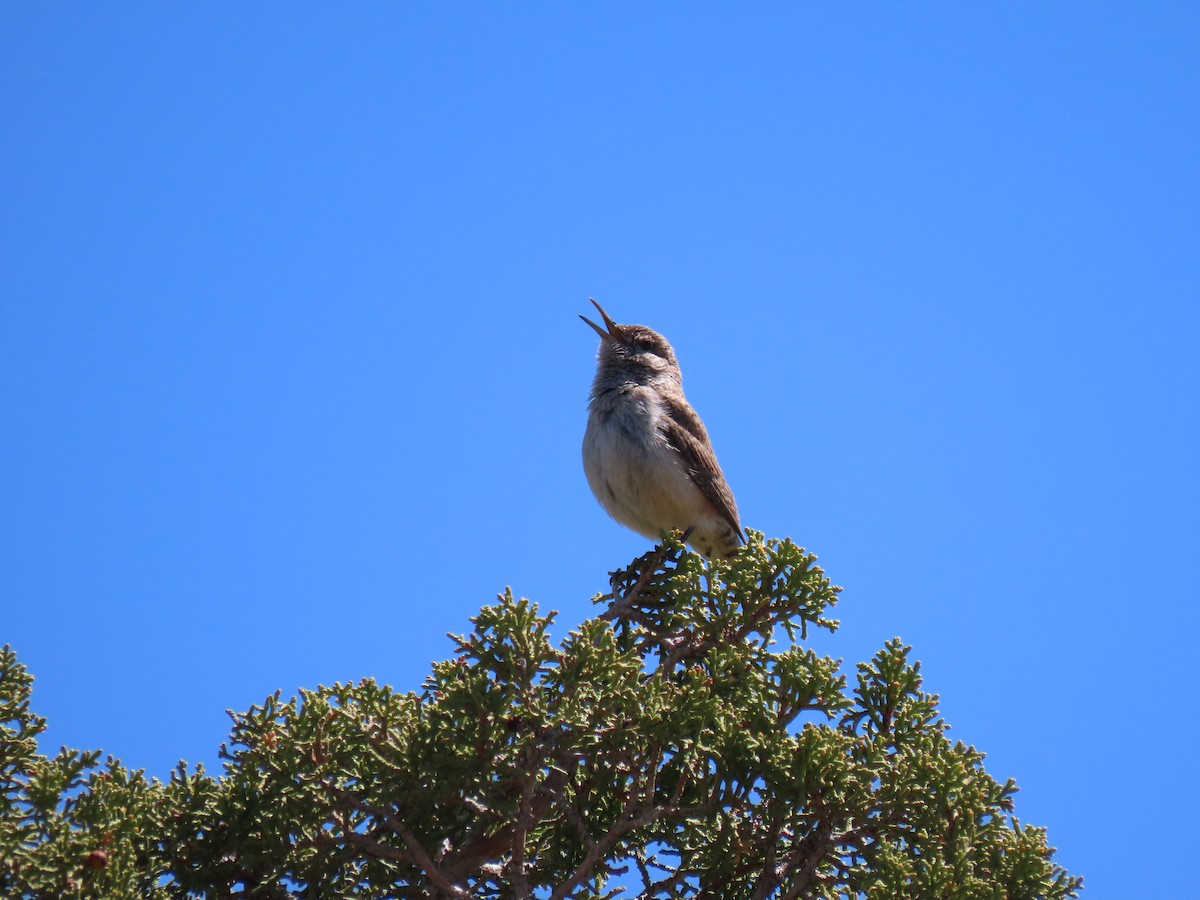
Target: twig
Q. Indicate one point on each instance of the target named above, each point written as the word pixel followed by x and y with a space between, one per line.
pixel 623 607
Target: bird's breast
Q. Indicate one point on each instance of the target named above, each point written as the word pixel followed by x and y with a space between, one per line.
pixel 631 416
pixel 636 475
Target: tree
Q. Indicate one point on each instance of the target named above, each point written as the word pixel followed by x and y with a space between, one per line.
pixel 674 746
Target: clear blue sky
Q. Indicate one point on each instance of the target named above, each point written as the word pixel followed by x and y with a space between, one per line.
pixel 293 379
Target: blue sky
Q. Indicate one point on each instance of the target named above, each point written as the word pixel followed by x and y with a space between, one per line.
pixel 293 379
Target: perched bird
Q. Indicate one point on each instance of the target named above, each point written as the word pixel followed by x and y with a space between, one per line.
pixel 646 453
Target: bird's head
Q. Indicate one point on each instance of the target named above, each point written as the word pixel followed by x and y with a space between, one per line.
pixel 640 352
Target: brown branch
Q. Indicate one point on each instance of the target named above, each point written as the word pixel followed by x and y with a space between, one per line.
pixel 416 854
pixel 525 820
pixel 374 847
pixel 421 858
pixel 623 607
pixel 574 816
pixel 489 846
pixel 768 879
pixel 620 828
pixel 805 860
pixel 638 811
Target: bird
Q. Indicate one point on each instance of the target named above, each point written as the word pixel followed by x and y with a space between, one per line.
pixel 646 453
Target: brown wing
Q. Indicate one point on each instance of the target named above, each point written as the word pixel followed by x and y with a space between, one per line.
pixel 687 434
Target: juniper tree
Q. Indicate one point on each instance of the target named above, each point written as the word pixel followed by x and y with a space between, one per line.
pixel 684 742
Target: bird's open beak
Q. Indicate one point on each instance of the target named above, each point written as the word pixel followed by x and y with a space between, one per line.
pixel 614 330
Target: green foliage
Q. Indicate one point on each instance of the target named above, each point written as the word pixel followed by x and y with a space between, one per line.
pixel 682 743
pixel 69 827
